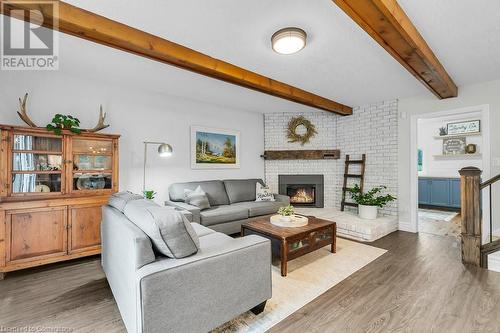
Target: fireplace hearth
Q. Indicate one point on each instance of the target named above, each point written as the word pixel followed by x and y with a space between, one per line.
pixel 303 190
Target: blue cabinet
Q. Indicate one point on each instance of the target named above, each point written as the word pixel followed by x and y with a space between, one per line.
pixel 455 193
pixel 440 192
pixel 424 191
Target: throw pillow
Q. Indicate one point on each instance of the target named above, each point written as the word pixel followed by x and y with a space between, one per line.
pixel 119 200
pixel 170 232
pixel 197 198
pixel 263 193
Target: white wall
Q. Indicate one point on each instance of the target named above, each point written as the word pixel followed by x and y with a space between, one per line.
pixel 371 130
pixel 431 147
pixel 137 116
pixel 468 96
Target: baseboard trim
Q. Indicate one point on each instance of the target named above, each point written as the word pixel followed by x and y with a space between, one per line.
pixel 494 262
pixel 407 226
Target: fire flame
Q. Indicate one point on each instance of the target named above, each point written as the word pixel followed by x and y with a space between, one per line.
pixel 302 196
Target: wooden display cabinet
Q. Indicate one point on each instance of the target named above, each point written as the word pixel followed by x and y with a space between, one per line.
pixel 52 188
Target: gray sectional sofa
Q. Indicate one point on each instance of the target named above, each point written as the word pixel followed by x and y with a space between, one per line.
pixel 232 203
pixel 197 293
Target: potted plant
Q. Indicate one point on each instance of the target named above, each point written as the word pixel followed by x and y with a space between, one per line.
pixel 61 122
pixel 150 195
pixel 370 201
pixel 286 213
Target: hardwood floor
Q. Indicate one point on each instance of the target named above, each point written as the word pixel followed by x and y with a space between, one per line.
pixel 419 285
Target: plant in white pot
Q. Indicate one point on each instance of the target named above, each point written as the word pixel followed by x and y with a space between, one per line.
pixel 369 202
pixel 286 213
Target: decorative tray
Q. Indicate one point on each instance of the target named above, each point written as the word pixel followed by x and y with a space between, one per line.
pixel 297 221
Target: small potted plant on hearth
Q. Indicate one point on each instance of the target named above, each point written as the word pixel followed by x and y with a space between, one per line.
pixel 149 194
pixel 286 213
pixel 369 202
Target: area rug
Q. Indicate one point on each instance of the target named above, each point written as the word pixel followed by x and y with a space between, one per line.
pixel 308 277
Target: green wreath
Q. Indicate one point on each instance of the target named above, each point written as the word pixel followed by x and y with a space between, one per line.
pixel 302 138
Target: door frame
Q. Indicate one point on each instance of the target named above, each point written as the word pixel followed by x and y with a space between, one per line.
pixel 486 154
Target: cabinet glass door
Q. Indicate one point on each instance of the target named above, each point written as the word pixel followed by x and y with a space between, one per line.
pixel 92 164
pixel 37 165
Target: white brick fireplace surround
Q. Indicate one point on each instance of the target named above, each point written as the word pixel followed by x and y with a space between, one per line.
pixel 372 130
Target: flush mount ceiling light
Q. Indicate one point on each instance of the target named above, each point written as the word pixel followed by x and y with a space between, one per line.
pixel 288 40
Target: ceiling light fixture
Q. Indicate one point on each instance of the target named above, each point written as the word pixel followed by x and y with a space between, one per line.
pixel 289 40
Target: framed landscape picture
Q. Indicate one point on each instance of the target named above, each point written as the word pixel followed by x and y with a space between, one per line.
pixel 213 148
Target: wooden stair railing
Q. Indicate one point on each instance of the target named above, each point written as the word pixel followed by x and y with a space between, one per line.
pixel 473 251
pixel 493 245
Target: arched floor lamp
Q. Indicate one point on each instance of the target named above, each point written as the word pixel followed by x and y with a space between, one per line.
pixel 164 150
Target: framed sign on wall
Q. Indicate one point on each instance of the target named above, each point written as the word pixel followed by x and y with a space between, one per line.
pixel 454 146
pixel 464 127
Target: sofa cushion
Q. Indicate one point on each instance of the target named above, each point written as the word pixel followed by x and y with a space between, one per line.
pixel 261 207
pixel 215 190
pixel 239 190
pixel 221 214
pixel 119 200
pixel 201 230
pixel 197 198
pixel 171 233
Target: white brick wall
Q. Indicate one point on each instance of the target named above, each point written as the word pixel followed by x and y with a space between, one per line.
pixel 372 129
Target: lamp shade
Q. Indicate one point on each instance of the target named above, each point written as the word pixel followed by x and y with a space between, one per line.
pixel 165 150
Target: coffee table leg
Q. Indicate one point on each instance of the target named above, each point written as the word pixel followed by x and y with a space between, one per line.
pixel 334 239
pixel 284 257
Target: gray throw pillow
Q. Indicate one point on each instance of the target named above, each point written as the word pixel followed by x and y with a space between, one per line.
pixel 197 198
pixel 169 230
pixel 119 200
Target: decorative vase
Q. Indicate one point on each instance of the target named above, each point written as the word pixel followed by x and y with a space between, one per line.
pixel 368 212
pixel 285 218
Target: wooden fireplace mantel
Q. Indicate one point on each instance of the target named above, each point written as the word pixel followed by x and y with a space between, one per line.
pixel 332 154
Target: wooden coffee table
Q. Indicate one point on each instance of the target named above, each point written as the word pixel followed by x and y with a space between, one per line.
pixel 295 242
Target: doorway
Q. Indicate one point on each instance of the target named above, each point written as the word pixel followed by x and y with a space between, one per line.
pixel 445 142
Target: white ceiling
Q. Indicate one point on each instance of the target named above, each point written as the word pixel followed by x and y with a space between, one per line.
pixel 340 62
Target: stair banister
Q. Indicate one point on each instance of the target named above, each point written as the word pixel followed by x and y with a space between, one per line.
pixel 471 215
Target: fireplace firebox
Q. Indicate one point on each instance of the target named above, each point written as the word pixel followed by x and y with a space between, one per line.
pixel 301 194
pixel 303 190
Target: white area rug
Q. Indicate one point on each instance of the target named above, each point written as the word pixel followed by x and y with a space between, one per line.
pixel 308 277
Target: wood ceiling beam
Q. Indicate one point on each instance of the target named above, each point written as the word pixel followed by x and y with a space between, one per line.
pixel 87 25
pixel 387 23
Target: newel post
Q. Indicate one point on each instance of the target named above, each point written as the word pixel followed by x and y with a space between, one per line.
pixel 471 215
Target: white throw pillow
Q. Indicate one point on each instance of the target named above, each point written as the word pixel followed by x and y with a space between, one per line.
pixel 197 198
pixel 263 193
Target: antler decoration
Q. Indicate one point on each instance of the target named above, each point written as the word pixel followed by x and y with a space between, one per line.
pixel 22 112
pixel 24 116
pixel 100 123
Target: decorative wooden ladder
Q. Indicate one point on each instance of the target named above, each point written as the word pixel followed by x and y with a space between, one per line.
pixel 347 175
